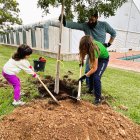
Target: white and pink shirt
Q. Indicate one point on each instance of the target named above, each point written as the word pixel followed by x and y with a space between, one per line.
pixel 13 67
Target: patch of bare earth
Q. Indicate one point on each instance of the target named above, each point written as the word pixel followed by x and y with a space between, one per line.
pixel 40 120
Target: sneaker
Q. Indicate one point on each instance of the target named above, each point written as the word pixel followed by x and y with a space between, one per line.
pixel 22 93
pixel 97 101
pixel 19 102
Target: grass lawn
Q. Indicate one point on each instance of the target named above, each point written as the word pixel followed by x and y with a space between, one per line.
pixel 121 87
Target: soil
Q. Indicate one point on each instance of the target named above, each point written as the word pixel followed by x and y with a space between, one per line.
pixel 67 87
pixel 43 120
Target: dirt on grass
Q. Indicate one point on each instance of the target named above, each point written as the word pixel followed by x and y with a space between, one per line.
pixel 43 120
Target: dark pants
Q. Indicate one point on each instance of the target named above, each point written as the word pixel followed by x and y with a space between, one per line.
pixel 94 81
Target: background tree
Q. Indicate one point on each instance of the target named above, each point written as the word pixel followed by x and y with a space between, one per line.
pixel 83 7
pixel 9 14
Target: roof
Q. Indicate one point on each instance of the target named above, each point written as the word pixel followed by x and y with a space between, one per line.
pixel 137 3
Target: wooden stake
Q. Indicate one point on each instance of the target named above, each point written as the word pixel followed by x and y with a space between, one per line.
pixel 56 88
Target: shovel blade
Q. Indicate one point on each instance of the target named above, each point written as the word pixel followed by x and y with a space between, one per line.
pixel 74 98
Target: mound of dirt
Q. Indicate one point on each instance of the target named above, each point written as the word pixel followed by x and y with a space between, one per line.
pixel 43 120
pixel 82 120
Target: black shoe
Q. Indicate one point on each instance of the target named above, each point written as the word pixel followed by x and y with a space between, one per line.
pixel 97 101
pixel 90 91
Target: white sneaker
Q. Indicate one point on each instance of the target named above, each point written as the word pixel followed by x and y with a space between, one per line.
pixel 22 93
pixel 19 102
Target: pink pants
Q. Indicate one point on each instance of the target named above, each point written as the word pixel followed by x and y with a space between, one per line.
pixel 15 82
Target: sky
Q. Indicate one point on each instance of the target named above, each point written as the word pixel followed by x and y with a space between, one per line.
pixel 29 13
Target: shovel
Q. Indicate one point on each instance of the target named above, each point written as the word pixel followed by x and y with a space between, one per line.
pixel 48 90
pixel 79 88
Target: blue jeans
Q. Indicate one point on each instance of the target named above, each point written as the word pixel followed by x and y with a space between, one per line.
pixel 94 81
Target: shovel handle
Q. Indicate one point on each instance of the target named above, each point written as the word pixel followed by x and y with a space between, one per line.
pixel 79 86
pixel 48 90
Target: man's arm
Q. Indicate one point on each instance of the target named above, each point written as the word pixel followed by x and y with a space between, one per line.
pixel 112 33
pixel 69 24
pixel 110 30
pixel 111 40
pixel 75 25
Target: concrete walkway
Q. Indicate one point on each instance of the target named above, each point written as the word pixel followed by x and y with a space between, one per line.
pixel 124 64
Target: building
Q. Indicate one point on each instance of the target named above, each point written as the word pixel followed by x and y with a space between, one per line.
pixel 44 37
pixel 126 22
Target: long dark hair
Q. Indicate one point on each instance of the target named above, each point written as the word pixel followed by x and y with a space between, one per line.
pixel 22 51
pixel 87 46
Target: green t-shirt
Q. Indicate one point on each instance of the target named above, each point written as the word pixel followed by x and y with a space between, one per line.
pixel 103 53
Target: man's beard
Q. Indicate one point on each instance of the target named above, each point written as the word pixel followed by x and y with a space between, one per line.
pixel 92 25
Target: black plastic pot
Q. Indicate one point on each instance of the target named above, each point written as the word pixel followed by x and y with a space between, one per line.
pixel 39 65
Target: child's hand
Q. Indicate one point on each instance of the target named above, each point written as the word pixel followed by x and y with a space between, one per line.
pixel 36 76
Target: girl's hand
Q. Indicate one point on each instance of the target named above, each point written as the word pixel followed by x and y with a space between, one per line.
pixel 82 78
pixel 81 64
